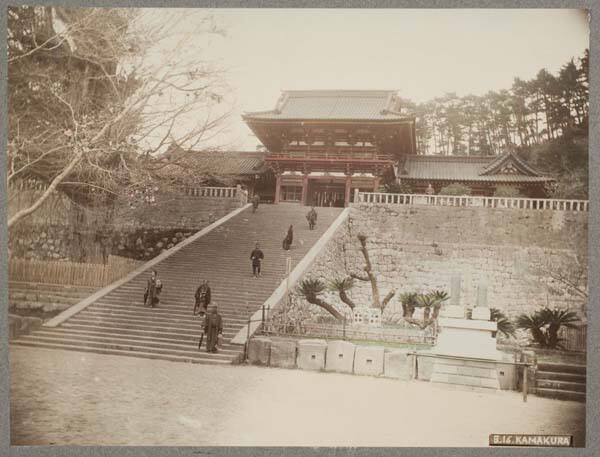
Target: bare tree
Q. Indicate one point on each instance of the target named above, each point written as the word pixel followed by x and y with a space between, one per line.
pixel 92 96
pixel 311 289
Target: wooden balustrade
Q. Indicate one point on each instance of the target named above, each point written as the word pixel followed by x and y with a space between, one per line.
pixel 217 192
pixel 470 201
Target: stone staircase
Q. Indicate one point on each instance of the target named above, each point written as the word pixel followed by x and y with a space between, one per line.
pixel 561 381
pixel 117 323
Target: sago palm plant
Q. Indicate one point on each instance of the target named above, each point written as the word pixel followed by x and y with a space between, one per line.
pixel 408 300
pixel 505 326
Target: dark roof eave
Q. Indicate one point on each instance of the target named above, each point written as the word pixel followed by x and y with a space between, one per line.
pixel 321 120
pixel 539 179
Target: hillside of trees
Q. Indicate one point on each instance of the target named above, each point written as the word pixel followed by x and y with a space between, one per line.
pixel 529 113
pixel 544 119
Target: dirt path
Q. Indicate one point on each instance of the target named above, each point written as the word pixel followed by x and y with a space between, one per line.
pixel 61 397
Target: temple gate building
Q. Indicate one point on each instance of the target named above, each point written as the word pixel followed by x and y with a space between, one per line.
pixel 323 144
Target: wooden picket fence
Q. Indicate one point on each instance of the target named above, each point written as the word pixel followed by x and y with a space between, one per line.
pixel 71 273
pixel 574 339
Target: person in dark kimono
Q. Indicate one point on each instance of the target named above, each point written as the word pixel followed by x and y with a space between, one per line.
pixel 153 289
pixel 202 298
pixel 311 217
pixel 213 327
pixel 255 201
pixel 256 256
pixel 289 238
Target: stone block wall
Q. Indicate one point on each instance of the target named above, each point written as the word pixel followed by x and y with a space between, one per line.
pixel 419 249
pixel 59 231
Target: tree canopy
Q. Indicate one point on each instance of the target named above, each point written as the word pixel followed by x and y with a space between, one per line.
pixel 531 112
pixel 86 104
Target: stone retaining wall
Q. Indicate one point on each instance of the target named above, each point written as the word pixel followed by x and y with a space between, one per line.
pixel 57 232
pixel 418 249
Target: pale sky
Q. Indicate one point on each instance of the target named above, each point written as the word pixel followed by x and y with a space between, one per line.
pixel 422 53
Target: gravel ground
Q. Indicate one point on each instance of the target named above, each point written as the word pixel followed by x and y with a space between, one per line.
pixel 61 397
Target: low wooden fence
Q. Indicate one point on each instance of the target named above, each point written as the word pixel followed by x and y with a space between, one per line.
pixel 218 192
pixel 342 331
pixel 470 201
pixel 574 339
pixel 71 273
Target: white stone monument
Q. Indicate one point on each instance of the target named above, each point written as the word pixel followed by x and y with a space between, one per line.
pixel 468 337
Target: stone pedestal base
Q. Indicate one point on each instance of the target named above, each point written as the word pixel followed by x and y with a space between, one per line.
pixel 368 360
pixel 467 338
pixel 466 373
pixel 398 364
pixel 340 356
pixel 311 354
pixel 283 353
pixel 259 350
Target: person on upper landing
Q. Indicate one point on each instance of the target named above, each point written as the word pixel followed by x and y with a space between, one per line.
pixel 287 241
pixel 311 217
pixel 255 201
pixel 256 257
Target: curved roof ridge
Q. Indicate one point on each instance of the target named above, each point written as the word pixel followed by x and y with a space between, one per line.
pixel 450 158
pixel 496 163
pixel 348 92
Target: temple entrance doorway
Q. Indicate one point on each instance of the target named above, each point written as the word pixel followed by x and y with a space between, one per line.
pixel 325 194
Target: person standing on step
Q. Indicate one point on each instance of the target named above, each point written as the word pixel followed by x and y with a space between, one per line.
pixel 311 217
pixel 255 201
pixel 202 298
pixel 256 257
pixel 289 238
pixel 153 289
pixel 213 327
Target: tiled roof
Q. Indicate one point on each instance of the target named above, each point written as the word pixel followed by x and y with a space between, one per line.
pixel 496 165
pixel 216 163
pixel 334 104
pixel 462 168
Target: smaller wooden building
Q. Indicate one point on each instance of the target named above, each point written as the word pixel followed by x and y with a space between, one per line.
pixel 219 168
pixel 483 174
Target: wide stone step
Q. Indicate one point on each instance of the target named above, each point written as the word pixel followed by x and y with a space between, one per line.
pixel 569 377
pixel 562 368
pixel 137 296
pixel 559 394
pixel 560 385
pixel 183 314
pixel 171 308
pixel 170 317
pixel 196 324
pixel 175 339
pixel 180 308
pixel 148 331
pixel 127 325
pixel 229 317
pixel 126 344
pixel 203 358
